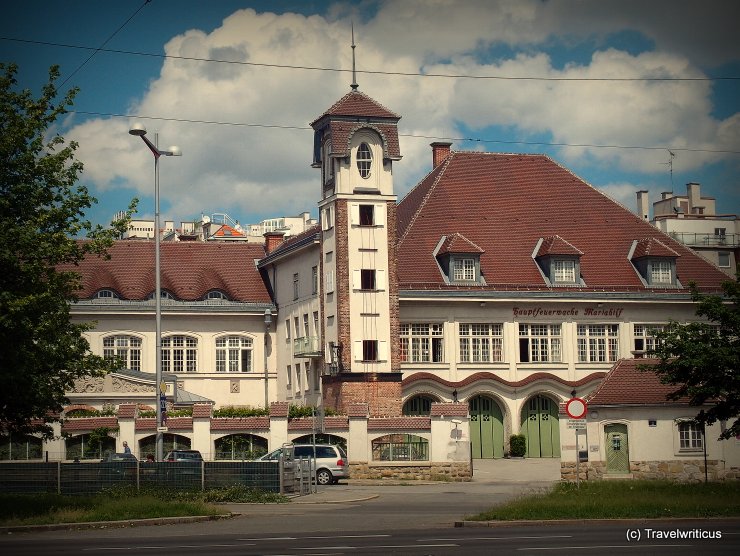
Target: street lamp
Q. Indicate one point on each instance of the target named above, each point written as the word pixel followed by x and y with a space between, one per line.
pixel 160 388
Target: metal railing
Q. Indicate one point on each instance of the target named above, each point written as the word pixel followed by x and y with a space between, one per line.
pixel 90 478
pixel 707 240
pixel 307 346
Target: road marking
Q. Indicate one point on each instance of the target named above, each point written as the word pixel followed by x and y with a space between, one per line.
pixel 166 546
pixel 589 547
pixel 377 546
pixel 500 538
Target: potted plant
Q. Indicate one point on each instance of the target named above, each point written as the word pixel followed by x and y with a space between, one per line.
pixel 517 445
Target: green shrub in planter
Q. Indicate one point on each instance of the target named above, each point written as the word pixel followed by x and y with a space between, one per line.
pixel 518 445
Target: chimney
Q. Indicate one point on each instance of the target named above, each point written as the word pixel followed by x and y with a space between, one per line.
pixel 694 195
pixel 272 240
pixel 440 151
pixel 643 207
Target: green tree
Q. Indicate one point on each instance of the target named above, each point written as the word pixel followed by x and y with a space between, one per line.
pixel 703 358
pixel 41 213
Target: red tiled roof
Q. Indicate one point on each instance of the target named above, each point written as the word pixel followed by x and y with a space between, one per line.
pixel 334 422
pixel 127 411
pixel 341 134
pixel 398 423
pixel 202 410
pixel 356 103
pixel 279 409
pixel 458 243
pixel 358 410
pixel 652 247
pixel 226 231
pixel 449 409
pixel 625 384
pixel 174 423
pixel 189 270
pixel 556 245
pixel 505 203
pixel 88 423
pixel 292 240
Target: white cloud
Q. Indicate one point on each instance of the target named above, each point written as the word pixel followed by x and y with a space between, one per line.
pixel 266 171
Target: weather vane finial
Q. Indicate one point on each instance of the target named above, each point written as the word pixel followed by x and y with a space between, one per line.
pixel 354 75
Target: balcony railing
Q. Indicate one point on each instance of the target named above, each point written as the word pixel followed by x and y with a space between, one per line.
pixel 707 240
pixel 307 346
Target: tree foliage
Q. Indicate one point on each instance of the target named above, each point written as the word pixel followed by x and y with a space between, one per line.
pixel 41 213
pixel 703 358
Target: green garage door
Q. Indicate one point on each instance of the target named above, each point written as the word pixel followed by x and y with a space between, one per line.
pixel 486 428
pixel 540 426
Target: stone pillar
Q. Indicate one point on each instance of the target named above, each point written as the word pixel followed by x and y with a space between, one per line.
pixel 278 425
pixel 202 431
pixel 358 447
pixel 127 429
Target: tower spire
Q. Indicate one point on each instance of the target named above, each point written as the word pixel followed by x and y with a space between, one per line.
pixel 354 84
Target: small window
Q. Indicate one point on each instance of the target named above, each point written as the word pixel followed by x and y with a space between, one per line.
pixel 723 258
pixel 367 215
pixel 367 281
pixel 364 160
pixel 296 286
pixel 216 295
pixel 369 350
pixel 106 294
pixel 660 272
pixel 690 436
pixel 564 271
pixel 314 280
pixel 463 270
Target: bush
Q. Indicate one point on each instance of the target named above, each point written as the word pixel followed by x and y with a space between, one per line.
pixel 517 445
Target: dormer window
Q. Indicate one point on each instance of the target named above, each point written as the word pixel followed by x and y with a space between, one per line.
pixel 459 260
pixel 655 262
pixel 364 160
pixel 216 294
pixel 559 261
pixel 106 294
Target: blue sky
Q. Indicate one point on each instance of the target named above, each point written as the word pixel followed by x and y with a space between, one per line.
pixel 590 99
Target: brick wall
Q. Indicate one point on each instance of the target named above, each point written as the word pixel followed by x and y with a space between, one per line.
pixel 381 391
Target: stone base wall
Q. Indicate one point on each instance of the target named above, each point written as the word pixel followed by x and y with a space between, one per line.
pixel 382 392
pixel 675 470
pixel 419 471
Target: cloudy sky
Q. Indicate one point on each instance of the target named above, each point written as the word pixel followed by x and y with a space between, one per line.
pixel 605 88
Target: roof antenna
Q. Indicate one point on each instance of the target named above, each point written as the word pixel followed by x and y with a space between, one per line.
pixel 671 155
pixel 354 75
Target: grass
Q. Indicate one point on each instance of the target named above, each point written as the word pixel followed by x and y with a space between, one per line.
pixel 121 504
pixel 622 499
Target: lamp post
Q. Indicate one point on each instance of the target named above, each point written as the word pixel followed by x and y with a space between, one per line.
pixel 160 388
pixel 268 324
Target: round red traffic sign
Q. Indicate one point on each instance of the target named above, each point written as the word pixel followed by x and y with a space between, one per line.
pixel 576 408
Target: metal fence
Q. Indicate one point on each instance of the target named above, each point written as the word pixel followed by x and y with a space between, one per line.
pixel 90 478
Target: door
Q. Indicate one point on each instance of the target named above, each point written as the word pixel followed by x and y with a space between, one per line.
pixel 486 428
pixel 617 448
pixel 541 427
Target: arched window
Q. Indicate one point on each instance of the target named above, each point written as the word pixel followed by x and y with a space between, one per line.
pixel 20 447
pixel 240 447
pixel 418 405
pixel 322 438
pixel 179 354
pixel 400 447
pixel 233 354
pixel 364 160
pixel 216 294
pixel 106 294
pixel 164 294
pixel 84 446
pixel 125 348
pixel 170 442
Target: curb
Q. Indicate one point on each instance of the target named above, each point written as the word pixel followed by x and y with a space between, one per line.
pixel 113 524
pixel 583 521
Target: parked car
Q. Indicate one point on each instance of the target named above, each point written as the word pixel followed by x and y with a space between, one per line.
pixel 117 464
pixel 331 460
pixel 183 455
pixel 186 464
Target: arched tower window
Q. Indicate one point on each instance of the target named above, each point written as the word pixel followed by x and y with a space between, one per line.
pixel 364 160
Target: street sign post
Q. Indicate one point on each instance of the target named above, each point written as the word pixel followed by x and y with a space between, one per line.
pixel 576 408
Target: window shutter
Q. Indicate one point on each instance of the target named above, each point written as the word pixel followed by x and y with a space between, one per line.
pixel 380 215
pixel 356 279
pixel 380 279
pixel 357 350
pixel 382 350
pixel 355 214
pixel 329 282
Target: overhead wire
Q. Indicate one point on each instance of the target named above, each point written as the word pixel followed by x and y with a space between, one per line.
pixel 413 135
